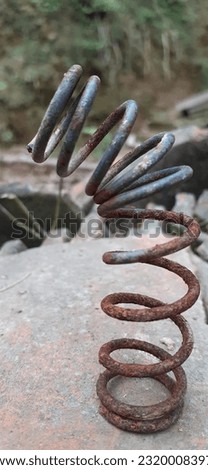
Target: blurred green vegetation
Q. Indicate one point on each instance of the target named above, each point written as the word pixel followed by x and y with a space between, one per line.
pixel 41 39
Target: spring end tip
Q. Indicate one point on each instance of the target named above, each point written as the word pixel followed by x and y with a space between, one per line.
pixel 29 148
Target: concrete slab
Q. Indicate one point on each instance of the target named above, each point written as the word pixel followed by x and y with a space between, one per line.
pixel 51 329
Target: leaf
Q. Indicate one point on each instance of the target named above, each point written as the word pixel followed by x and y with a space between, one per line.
pixel 3 86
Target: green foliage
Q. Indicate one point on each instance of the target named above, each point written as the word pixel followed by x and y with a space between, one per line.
pixel 40 39
pixel 47 6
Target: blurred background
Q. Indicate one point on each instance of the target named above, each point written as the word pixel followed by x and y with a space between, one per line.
pixel 154 51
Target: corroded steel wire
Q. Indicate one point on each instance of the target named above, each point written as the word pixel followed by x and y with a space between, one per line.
pixel 114 186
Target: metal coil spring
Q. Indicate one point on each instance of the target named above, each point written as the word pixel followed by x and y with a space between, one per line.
pixel 112 187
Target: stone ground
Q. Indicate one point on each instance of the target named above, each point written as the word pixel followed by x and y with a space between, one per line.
pixel 52 327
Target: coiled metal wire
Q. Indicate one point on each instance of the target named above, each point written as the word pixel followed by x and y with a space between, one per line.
pixel 114 186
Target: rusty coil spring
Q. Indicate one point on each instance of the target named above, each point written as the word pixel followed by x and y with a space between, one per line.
pixel 112 187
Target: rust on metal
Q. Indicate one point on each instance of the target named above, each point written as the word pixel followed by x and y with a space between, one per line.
pixel 114 186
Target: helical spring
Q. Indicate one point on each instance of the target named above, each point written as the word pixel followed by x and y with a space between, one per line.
pixel 114 185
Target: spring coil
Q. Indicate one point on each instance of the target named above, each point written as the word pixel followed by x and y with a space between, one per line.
pixel 114 185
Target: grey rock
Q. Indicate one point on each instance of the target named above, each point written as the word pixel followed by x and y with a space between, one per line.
pixel 80 198
pixel 203 237
pixel 153 227
pixel 92 227
pixel 190 133
pixel 192 153
pixel 52 328
pixel 192 104
pixel 12 247
pixel 202 274
pixel 202 250
pixel 44 209
pixel 201 209
pixel 168 342
pixel 185 203
pixel 58 235
pixel 17 222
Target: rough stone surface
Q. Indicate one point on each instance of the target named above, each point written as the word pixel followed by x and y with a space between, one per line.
pixel 92 227
pixel 12 247
pixel 185 203
pixel 202 274
pixel 202 250
pixel 80 198
pixel 41 205
pixel 37 186
pixel 51 329
pixel 18 166
pixel 201 209
pixel 194 154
